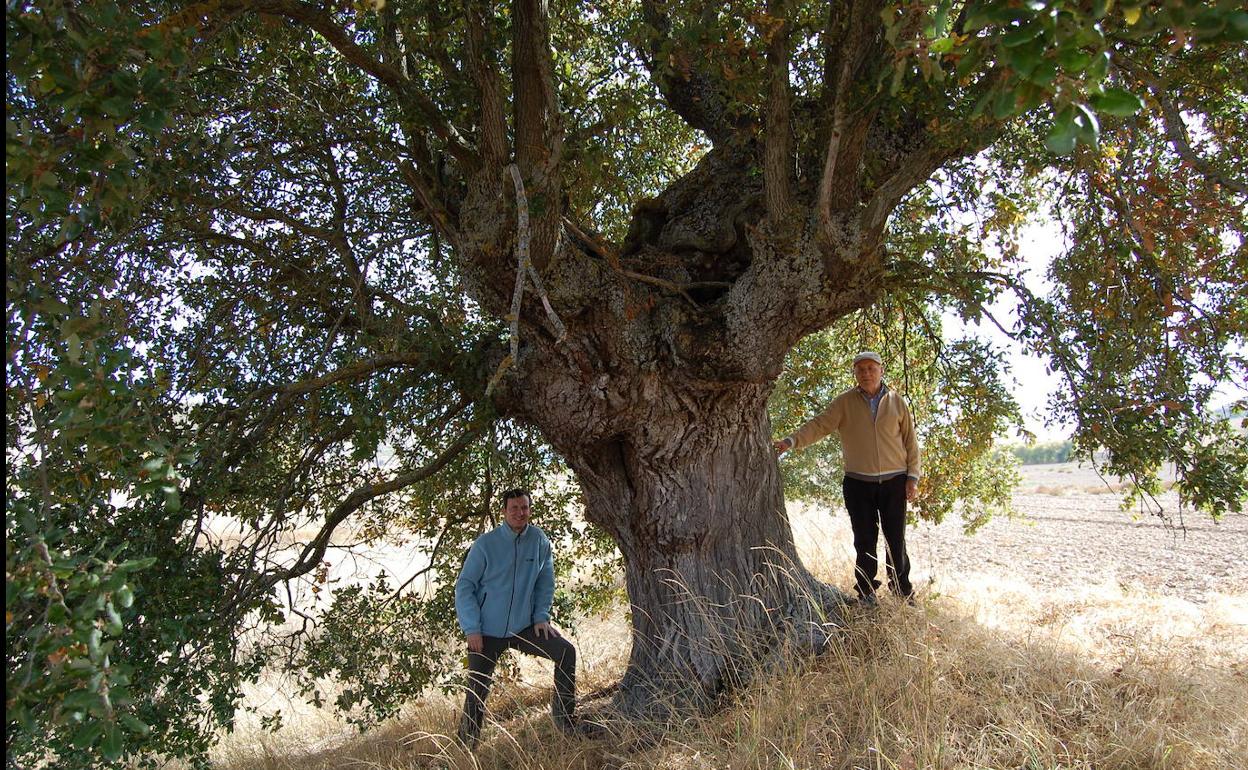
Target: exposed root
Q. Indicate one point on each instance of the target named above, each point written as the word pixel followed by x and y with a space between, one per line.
pixel 644 706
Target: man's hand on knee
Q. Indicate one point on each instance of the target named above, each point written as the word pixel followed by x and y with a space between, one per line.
pixel 544 630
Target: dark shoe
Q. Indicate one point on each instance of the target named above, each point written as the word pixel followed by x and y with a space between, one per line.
pixel 579 727
pixel 467 735
pixel 869 601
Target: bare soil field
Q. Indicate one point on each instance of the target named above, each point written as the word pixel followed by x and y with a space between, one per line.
pixel 1070 534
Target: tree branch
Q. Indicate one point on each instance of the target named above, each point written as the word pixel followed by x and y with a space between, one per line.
pixel 912 171
pixel 539 135
pixel 350 372
pixel 1176 133
pixel 322 23
pixel 243 437
pixel 339 239
pixel 439 217
pixel 612 257
pixel 314 551
pixel 522 207
pixel 856 38
pixel 538 143
pixel 778 141
pixel 484 74
pixel 693 94
pixel 269 214
pixel 833 149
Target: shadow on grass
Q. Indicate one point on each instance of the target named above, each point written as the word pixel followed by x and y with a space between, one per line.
pixel 905 687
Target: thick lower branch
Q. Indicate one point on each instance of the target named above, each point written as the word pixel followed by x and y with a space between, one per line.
pixel 314 551
pixel 778 147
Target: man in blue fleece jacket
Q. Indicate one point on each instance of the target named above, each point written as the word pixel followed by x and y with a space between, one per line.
pixel 502 600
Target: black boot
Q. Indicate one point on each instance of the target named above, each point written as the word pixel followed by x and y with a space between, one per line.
pixel 469 732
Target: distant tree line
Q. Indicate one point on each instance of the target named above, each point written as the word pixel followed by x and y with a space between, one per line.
pixel 1049 452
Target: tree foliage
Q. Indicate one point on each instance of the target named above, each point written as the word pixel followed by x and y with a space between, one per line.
pixel 260 263
pixel 1046 452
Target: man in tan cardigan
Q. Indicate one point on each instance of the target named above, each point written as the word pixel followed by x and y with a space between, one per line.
pixel 882 467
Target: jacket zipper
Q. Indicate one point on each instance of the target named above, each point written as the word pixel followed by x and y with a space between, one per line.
pixel 515 560
pixel 875 432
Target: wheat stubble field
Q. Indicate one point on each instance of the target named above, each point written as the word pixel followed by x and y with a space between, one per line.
pixel 1072 637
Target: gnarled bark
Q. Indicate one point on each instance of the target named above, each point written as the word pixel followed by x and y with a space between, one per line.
pixel 658 403
pixel 692 496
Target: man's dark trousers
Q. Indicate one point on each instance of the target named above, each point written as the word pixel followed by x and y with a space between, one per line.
pixel 481 676
pixel 874 505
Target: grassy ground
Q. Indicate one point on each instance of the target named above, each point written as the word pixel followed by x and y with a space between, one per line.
pixel 982 676
pixel 1099 665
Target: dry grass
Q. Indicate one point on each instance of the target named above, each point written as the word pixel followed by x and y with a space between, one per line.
pixel 989 672
pixel 984 677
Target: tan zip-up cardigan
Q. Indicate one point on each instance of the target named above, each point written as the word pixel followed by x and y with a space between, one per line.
pixel 873 450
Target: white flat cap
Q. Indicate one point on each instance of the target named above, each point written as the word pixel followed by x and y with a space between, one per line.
pixel 869 355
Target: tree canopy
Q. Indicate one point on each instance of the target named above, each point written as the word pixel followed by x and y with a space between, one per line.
pixel 277 270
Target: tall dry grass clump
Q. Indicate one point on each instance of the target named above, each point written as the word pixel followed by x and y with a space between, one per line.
pixel 994 679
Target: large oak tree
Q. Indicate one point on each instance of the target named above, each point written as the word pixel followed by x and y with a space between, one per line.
pixel 284 262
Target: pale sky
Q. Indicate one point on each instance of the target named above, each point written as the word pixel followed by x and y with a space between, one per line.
pixel 1039 243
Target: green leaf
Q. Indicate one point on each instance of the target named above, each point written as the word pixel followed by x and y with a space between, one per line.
pixel 1003 104
pixel 93 643
pixel 134 565
pixel 941 18
pixel 81 700
pixel 113 624
pixel 73 348
pixel 1021 35
pixel 1089 36
pixel 894 85
pixel 1073 60
pixel 134 724
pixel 87 735
pixel 117 106
pixel 995 15
pixel 1117 101
pixel 1210 24
pixel 1098 68
pixel 970 62
pixel 125 596
pixel 1086 124
pixel 1063 136
pixel 151 118
pixel 1045 73
pixel 1029 97
pixel 126 84
pixel 1237 25
pixel 112 745
pixel 1025 58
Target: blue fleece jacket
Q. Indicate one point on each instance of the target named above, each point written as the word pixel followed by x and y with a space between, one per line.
pixel 507 582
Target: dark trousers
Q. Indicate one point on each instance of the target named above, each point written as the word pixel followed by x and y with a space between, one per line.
pixel 872 506
pixel 481 676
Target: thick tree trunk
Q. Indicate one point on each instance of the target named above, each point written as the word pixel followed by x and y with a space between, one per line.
pixel 657 398
pixel 693 498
